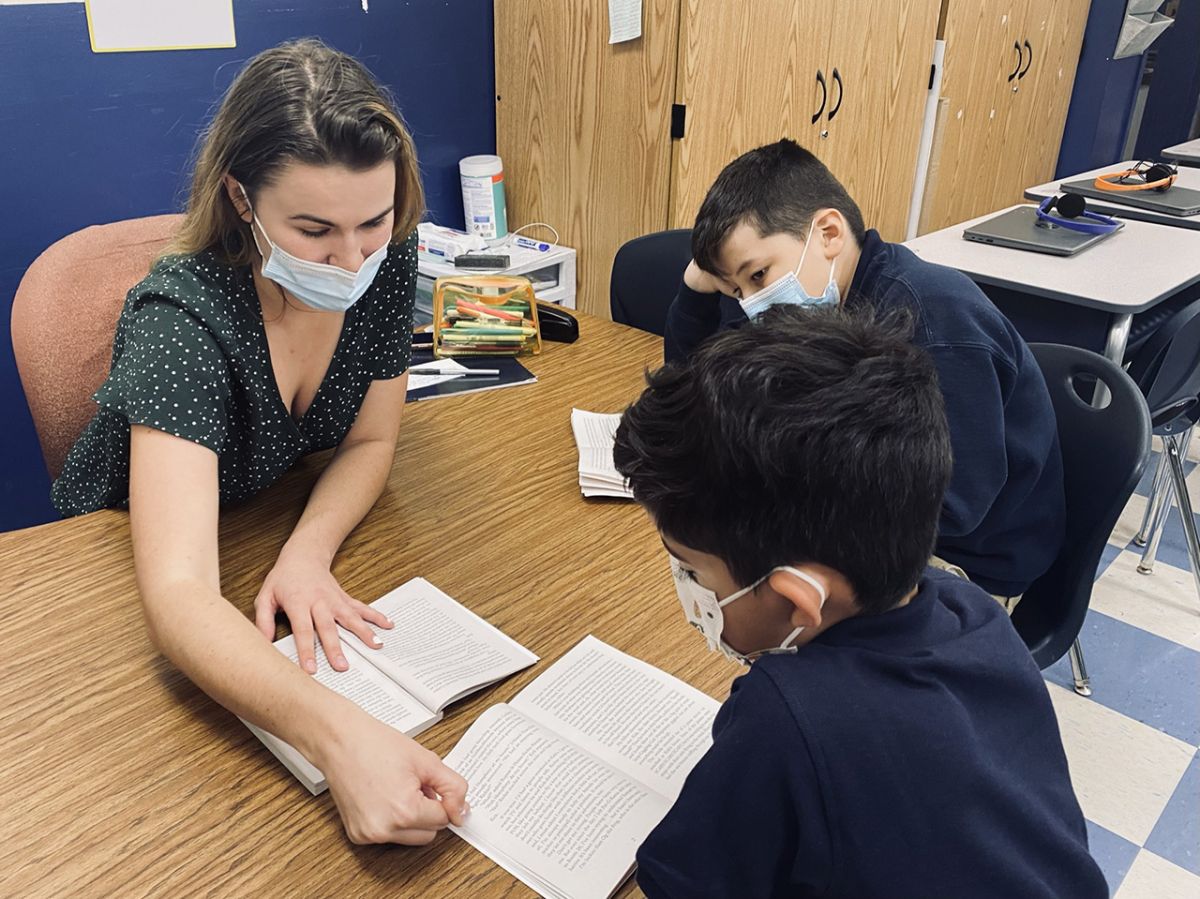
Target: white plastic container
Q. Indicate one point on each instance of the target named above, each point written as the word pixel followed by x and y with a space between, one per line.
pixel 483 196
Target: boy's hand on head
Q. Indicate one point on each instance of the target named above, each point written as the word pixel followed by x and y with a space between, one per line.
pixel 701 281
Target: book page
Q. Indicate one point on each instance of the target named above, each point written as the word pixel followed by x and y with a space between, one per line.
pixel 551 814
pixel 643 721
pixel 595 434
pixel 363 685
pixel 598 429
pixel 438 649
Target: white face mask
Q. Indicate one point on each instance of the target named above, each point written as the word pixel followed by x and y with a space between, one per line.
pixel 316 284
pixel 788 291
pixel 703 610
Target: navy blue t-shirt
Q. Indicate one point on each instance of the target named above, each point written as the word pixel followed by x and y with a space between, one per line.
pixel 1004 514
pixel 910 754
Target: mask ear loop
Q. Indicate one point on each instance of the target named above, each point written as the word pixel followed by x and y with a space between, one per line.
pixel 816 585
pixel 263 256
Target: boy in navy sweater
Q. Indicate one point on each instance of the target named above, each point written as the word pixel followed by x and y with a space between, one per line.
pixel 893 737
pixel 776 228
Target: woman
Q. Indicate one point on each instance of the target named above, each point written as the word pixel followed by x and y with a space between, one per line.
pixel 279 324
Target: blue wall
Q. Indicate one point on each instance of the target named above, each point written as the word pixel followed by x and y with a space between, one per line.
pixel 88 138
pixel 1102 98
pixel 1175 88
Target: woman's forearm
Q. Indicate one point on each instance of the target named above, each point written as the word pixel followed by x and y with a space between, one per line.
pixel 218 648
pixel 343 495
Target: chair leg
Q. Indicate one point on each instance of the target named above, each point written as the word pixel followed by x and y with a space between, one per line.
pixel 1162 508
pixel 1158 494
pixel 1185 509
pixel 1083 685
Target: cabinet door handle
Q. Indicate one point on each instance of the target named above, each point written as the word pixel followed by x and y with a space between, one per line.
pixel 837 79
pixel 1028 63
pixel 824 95
pixel 1013 73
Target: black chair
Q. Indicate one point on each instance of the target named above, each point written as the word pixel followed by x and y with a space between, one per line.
pixel 646 274
pixel 1104 452
pixel 1167 369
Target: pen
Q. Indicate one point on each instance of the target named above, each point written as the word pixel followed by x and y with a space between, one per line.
pixel 462 373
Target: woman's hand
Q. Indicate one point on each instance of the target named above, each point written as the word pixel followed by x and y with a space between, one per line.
pixel 302 588
pixel 388 788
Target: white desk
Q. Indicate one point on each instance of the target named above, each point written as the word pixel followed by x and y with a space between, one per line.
pixel 1189 178
pixel 1185 154
pixel 1131 271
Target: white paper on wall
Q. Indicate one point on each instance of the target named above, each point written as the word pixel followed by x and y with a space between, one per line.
pixel 125 25
pixel 624 20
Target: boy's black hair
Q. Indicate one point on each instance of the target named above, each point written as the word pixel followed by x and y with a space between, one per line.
pixel 805 436
pixel 776 189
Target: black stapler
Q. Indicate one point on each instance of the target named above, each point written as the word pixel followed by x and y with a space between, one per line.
pixel 557 324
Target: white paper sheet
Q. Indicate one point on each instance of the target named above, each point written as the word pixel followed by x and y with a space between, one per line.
pixel 427 374
pixel 624 20
pixel 117 25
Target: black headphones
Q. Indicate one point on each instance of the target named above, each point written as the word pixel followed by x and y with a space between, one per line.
pixel 1143 176
pixel 1073 214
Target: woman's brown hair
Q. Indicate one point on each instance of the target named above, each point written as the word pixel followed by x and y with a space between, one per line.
pixel 298 102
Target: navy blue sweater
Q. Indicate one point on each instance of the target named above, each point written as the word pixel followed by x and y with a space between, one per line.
pixel 1004 515
pixel 911 754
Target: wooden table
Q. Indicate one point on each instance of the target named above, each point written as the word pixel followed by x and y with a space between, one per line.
pixel 120 778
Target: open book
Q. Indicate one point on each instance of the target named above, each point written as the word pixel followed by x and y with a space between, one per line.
pixel 594 436
pixel 437 651
pixel 568 779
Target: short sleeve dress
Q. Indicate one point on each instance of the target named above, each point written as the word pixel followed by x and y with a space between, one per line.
pixel 190 358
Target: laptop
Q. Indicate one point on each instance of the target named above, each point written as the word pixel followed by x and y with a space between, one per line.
pixel 1172 201
pixel 1021 229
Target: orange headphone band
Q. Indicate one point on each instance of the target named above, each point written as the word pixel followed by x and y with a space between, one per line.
pixel 1109 181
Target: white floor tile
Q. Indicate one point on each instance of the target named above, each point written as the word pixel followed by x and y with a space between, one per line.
pixel 1193 449
pixel 1193 482
pixel 1163 603
pixel 1151 877
pixel 1123 771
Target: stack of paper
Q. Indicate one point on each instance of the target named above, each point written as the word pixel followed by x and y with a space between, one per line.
pixel 595 434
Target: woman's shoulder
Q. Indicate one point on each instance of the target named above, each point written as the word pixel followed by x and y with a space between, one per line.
pixel 200 285
pixel 401 262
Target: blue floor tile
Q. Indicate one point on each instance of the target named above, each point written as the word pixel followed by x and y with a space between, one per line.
pixel 1176 836
pixel 1140 675
pixel 1111 551
pixel 1112 853
pixel 1172 548
pixel 1143 487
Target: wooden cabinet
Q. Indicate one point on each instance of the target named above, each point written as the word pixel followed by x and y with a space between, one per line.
pixel 845 79
pixel 879 65
pixel 584 127
pixel 1006 83
pixel 747 76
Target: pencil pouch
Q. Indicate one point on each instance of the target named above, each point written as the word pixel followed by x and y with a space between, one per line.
pixel 485 315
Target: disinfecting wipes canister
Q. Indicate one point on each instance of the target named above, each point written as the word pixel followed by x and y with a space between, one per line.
pixel 483 196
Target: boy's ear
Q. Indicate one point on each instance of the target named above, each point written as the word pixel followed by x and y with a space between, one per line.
pixel 833 230
pixel 806 600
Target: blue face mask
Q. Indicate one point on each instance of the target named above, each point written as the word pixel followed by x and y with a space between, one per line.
pixel 787 291
pixel 316 284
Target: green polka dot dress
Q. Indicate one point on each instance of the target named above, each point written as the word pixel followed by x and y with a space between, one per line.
pixel 190 358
